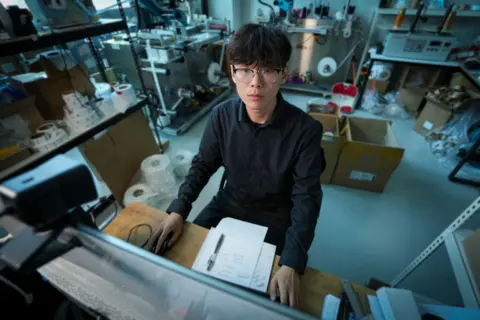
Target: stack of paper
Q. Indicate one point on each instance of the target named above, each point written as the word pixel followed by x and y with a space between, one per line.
pixel 243 258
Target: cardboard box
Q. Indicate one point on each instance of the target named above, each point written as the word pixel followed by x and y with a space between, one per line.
pixel 412 99
pixel 381 86
pixel 434 115
pixel 26 110
pixel 49 91
pixel 117 155
pixel 370 155
pixel 422 77
pixel 332 145
pixel 471 246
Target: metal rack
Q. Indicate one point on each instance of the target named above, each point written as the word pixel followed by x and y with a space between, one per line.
pixel 59 38
pixel 453 238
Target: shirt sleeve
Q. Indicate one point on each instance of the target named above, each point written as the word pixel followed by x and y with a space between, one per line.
pixel 307 197
pixel 204 165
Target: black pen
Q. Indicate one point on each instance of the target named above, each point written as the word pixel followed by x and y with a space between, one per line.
pixel 213 257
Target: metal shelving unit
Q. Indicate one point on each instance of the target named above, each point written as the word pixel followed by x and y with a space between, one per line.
pixel 430 12
pixel 73 141
pixel 469 291
pixel 58 37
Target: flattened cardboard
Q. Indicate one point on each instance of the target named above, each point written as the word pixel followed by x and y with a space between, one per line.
pixel 370 155
pixel 118 154
pixel 331 145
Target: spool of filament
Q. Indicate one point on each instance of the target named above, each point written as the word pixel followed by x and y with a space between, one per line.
pixel 182 160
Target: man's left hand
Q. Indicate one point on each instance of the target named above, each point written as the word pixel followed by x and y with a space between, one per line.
pixel 286 284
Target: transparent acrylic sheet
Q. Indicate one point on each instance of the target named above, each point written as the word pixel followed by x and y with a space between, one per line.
pixel 121 281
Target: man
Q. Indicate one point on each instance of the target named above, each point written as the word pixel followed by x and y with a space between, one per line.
pixel 272 157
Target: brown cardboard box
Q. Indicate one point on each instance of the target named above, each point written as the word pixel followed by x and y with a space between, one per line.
pixel 381 86
pixel 370 155
pixel 411 99
pixel 429 77
pixel 118 154
pixel 49 91
pixel 331 145
pixel 471 246
pixel 434 115
pixel 26 110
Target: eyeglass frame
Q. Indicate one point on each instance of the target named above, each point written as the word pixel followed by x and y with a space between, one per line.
pixel 256 72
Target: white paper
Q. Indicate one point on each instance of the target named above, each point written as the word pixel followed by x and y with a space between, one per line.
pixel 263 269
pixel 235 262
pixel 243 259
pixel 362 176
pixel 376 308
pixel 242 229
pixel 428 125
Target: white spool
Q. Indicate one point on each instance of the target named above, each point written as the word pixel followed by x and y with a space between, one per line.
pixel 51 143
pixel 139 193
pixel 40 138
pixel 327 66
pixel 182 161
pixel 213 72
pixel 158 173
pixel 381 71
pixel 124 97
pixel 106 107
pixel 52 129
pixel 103 90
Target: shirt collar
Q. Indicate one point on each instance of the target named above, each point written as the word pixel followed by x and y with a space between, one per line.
pixel 243 115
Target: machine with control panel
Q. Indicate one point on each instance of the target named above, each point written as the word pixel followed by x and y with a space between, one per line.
pixel 423 46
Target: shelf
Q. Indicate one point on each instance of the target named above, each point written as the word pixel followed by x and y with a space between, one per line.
pixel 454 244
pixel 59 36
pixel 73 141
pixel 379 57
pixel 430 12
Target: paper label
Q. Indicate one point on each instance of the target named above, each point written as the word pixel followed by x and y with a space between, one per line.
pixel 362 176
pixel 428 125
pixel 8 67
pixel 115 46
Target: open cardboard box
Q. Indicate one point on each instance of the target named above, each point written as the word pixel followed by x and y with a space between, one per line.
pixel 117 155
pixel 332 145
pixel 370 155
pixel 49 91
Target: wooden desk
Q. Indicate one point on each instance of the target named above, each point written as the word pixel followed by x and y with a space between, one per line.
pixel 315 284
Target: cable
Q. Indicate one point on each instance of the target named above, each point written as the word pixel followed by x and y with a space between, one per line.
pixel 28 297
pixel 138 226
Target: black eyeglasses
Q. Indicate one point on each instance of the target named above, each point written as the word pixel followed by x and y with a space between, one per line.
pixel 246 75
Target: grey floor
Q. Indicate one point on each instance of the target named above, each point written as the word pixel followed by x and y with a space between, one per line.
pixel 362 234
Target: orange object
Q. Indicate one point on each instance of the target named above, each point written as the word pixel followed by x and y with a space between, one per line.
pixel 399 20
pixel 448 23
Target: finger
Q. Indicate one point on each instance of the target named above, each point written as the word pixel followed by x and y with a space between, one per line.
pixel 153 239
pixel 175 237
pixel 161 239
pixel 273 289
pixel 283 293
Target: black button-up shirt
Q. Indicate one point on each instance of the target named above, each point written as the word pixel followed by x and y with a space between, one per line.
pixel 277 163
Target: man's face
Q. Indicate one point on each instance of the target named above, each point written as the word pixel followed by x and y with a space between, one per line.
pixel 258 86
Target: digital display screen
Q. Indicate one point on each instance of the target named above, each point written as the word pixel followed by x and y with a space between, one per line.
pixel 435 43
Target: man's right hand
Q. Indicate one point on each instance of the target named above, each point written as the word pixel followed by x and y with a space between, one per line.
pixel 174 224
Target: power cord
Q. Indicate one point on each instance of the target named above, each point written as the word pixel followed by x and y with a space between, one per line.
pixel 138 226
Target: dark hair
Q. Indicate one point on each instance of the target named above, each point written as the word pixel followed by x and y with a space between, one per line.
pixel 260 45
